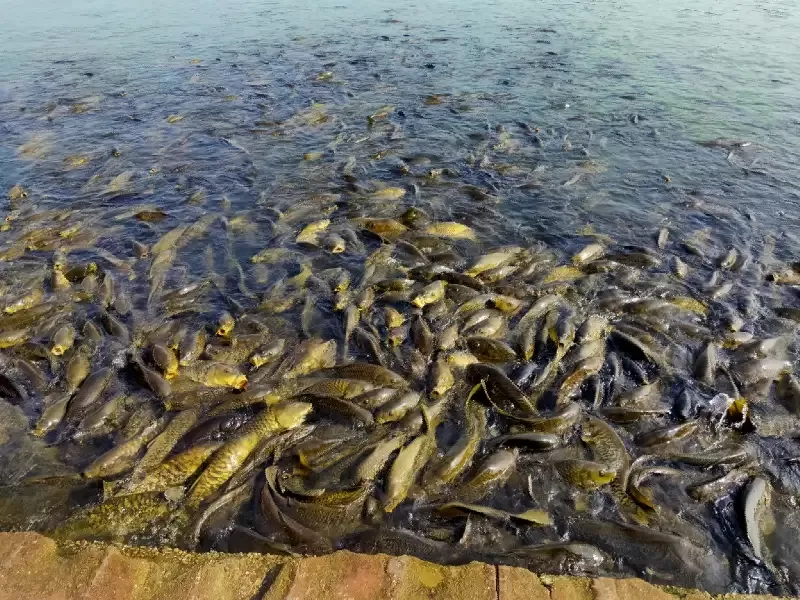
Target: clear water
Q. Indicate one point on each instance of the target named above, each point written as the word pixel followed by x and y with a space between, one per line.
pixel 690 70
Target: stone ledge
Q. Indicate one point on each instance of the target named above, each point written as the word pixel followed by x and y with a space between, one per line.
pixel 34 567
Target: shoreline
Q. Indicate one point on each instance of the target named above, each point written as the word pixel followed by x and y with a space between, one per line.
pixel 33 566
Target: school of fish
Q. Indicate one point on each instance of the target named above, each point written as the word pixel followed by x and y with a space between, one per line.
pixel 377 378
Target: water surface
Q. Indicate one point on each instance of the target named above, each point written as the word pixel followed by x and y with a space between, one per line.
pixel 580 117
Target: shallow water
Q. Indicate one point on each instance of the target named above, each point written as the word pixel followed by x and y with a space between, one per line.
pixel 579 117
pixel 688 71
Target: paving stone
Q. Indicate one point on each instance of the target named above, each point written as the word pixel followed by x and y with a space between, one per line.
pixel 520 584
pixel 415 579
pixel 34 567
pixel 606 588
pixel 340 576
pixel 571 588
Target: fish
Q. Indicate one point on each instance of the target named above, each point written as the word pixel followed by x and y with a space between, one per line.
pixel 501 391
pixel 121 458
pixel 717 486
pixel 311 355
pixel 662 238
pixel 586 474
pixel 51 416
pixel 606 444
pixel 368 342
pixel 490 350
pixel 680 268
pixel 555 367
pixel 268 354
pixel 593 328
pixel 388 229
pixel 165 359
pixel 431 293
pixel 90 390
pixel 667 434
pixel 452 230
pixel 191 347
pixel 396 409
pixel 582 370
pixel 152 379
pixel 393 317
pixel 77 369
pixel 493 260
pixel 492 327
pixel 352 317
pixel 231 455
pixel 787 392
pixel 459 456
pixel 588 254
pixel 310 233
pixel 406 467
pixel 174 471
pixel 442 379
pixel 161 446
pixel 531 440
pixel 102 420
pixel 114 326
pixel 297 531
pixel 62 340
pixel 494 471
pixel 225 324
pixel 167 241
pixel 479 317
pixel 215 374
pixel 334 243
pixel 375 462
pixel 753 371
pixel 755 494
pixel 338 388
pixel 563 273
pixel 59 281
pixel 17 192
pixel 706 364
pixel 117 518
pixel 421 335
pixel 727 260
pixel 531 516
pixel 339 406
pixel 389 193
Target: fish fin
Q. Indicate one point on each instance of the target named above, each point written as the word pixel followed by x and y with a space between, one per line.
pixel 430 427
pixel 109 490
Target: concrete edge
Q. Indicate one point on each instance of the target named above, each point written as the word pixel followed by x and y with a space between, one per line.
pixel 33 566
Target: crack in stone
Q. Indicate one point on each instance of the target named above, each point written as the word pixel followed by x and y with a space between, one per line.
pixel 269 579
pixel 99 570
pixel 547 584
pixel 497 582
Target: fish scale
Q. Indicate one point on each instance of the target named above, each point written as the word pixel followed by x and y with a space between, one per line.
pixel 605 443
pixel 176 470
pixel 227 460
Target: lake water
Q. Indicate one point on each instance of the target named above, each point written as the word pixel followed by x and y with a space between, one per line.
pixel 686 71
pixel 578 119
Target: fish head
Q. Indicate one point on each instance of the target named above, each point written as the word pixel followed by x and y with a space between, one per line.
pixel 292 414
pixel 590 430
pixel 602 475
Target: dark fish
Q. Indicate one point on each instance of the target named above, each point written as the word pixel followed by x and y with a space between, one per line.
pixel 90 390
pixel 491 350
pixel 501 391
